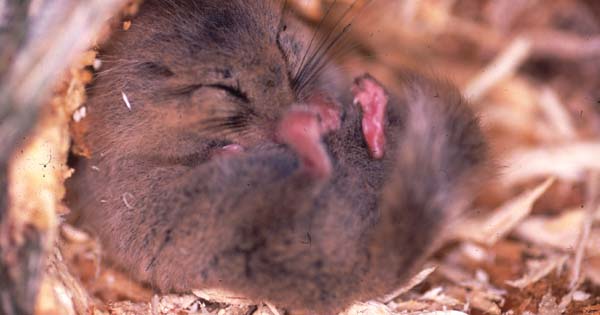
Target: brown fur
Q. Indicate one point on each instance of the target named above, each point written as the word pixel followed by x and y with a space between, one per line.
pixel 254 223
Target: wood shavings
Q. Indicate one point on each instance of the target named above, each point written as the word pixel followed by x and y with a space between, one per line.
pixel 568 162
pixel 154 305
pixel 480 295
pixel 415 281
pixel 504 219
pixel 559 232
pixel 97 65
pixel 529 94
pixel 537 270
pixel 272 308
pixel 486 303
pixel 73 235
pixel 557 115
pixel 593 203
pixel 59 291
pixel 482 276
pixel 548 305
pixel 452 312
pixel 502 67
pixel 558 44
pixel 437 295
pixel 566 300
pixel 171 304
pixel 69 296
pixel 79 114
pixel 592 270
pixel 473 251
pixel 371 308
pixel 503 13
pixel 112 285
pixel 222 296
pixel 410 306
pixel 579 296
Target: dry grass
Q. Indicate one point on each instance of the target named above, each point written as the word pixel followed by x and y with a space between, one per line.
pixel 529 68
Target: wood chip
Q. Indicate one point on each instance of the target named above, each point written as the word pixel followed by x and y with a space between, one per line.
pixel 222 296
pixel 557 115
pixel 371 308
pixel 481 301
pixel 548 305
pixel 538 270
pixel 569 162
pixel 437 295
pixel 593 203
pixel 272 308
pixel 505 65
pixel 502 220
pixel 415 281
pixel 126 25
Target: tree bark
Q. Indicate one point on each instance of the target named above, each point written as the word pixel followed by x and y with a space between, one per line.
pixel 38 44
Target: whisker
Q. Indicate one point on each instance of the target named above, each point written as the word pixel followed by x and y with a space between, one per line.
pixel 327 51
pixel 347 47
pixel 220 124
pixel 314 36
pixel 228 131
pixel 322 58
pixel 324 41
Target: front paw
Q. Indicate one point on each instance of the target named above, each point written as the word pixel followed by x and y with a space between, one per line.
pixel 301 128
pixel 372 99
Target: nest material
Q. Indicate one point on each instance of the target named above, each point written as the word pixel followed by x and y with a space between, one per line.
pixel 529 68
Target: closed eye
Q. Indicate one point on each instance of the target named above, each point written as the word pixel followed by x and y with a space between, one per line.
pixel 230 90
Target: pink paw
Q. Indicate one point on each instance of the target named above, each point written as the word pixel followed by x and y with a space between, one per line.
pixel 328 112
pixel 372 98
pixel 302 128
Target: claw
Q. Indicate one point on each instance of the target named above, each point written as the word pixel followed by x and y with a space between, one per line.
pixel 372 98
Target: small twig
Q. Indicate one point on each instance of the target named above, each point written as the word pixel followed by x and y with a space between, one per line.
pixel 272 308
pixel 563 45
pixel 155 305
pixel 593 202
pixel 502 67
pixel 504 219
pixel 544 43
pixel 35 52
pixel 416 280
pixel 557 115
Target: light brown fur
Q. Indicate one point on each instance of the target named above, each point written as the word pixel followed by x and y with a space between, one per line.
pixel 256 223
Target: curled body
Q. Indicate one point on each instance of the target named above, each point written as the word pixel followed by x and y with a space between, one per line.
pixel 233 168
